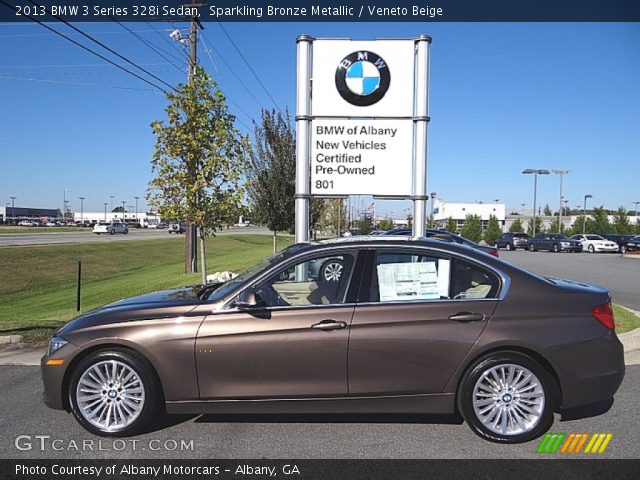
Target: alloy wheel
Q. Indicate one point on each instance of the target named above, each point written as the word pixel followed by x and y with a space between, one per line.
pixel 333 272
pixel 110 395
pixel 508 399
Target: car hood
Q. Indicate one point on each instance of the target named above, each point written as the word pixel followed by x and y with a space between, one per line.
pixel 162 304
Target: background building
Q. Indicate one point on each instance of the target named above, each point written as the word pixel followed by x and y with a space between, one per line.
pixel 17 214
pixel 442 211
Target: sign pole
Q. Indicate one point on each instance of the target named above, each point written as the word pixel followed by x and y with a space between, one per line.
pixel 303 124
pixel 420 120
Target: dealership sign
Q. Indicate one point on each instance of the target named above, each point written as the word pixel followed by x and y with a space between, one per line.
pixel 361 121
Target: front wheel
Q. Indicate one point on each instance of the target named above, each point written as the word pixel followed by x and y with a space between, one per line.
pixel 506 398
pixel 112 232
pixel 126 230
pixel 113 393
pixel 623 249
pixel 532 248
pixel 555 248
pixel 509 246
pixel 591 249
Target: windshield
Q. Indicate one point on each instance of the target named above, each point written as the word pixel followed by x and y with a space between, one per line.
pixel 249 273
pixel 559 237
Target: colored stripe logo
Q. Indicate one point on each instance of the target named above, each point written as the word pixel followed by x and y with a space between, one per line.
pixel 574 443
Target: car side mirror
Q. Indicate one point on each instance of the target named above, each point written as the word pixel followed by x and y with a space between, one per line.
pixel 247 299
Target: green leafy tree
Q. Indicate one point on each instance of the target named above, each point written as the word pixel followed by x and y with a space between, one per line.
pixel 576 228
pixel 451 225
pixel 270 181
pixel 117 210
pixel 539 227
pixel 365 224
pixel 621 224
pixel 493 230
pixel 198 159
pixel 472 228
pixel 516 226
pixel 547 210
pixel 385 224
pixel 557 226
pixel 599 222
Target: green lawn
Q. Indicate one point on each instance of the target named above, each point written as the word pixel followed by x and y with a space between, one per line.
pixel 38 283
pixel 625 320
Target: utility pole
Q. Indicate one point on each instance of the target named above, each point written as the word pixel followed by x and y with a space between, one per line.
pixel 136 210
pixel 82 209
pixel 13 209
pixel 105 211
pixel 562 173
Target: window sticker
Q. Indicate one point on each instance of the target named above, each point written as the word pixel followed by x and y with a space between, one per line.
pixel 409 281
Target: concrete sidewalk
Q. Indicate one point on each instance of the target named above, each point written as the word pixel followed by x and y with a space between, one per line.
pixel 17 354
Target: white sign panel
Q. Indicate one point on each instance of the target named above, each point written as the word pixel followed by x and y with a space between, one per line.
pixel 363 78
pixel 361 157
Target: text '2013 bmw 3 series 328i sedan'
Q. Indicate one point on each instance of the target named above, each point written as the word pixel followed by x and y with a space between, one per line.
pixel 360 325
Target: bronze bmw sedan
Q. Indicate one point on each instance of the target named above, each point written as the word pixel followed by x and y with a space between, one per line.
pixel 361 325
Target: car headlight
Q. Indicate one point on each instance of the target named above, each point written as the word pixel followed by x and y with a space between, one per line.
pixel 55 344
pixel 565 244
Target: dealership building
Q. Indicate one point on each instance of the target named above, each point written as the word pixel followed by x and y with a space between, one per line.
pixel 143 218
pixel 16 214
pixel 443 211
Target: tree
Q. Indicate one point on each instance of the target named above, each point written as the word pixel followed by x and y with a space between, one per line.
pixel 365 225
pixel 621 223
pixel 493 230
pixel 385 224
pixel 557 226
pixel 270 173
pixel 472 228
pixel 318 215
pixel 117 210
pixel 451 226
pixel 576 228
pixel 539 227
pixel 517 226
pixel 198 159
pixel 547 210
pixel 599 222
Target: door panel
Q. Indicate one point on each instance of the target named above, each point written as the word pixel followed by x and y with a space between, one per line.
pixel 411 348
pixel 273 353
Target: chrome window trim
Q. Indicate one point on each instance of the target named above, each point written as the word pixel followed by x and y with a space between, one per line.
pixel 505 280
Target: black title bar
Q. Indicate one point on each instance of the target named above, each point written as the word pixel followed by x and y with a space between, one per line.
pixel 321 11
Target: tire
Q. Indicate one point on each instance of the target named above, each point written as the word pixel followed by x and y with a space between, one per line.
pixel 331 270
pixel 479 383
pixel 623 249
pixel 556 249
pixel 136 410
pixel 532 248
pixel 591 249
pixel 509 247
pixel 112 232
pixel 126 230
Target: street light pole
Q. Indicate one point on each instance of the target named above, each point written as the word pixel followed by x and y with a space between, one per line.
pixel 584 213
pixel 535 173
pixel 105 211
pixel 136 211
pixel 433 199
pixel 111 205
pixel 637 202
pixel 123 209
pixel 562 173
pixel 13 209
pixel 82 209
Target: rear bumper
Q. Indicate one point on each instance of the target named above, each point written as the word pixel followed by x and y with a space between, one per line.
pixel 606 249
pixel 596 377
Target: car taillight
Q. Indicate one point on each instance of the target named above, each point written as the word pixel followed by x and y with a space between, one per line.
pixel 604 314
pixel 494 253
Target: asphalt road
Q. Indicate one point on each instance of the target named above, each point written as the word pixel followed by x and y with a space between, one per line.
pixel 54 238
pixel 277 436
pixel 620 275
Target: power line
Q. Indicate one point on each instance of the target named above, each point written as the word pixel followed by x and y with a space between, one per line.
pixel 246 62
pixel 240 81
pixel 84 47
pixel 81 84
pixel 98 42
pixel 79 65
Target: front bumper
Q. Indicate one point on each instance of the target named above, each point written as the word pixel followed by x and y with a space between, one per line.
pixel 570 248
pixel 53 376
pixel 602 248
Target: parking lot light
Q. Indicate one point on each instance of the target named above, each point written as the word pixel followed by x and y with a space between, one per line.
pixel 535 173
pixel 82 210
pixel 584 213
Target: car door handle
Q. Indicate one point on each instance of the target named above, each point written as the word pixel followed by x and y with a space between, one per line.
pixel 329 325
pixel 467 317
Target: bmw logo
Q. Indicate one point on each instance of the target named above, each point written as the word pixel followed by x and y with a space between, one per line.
pixel 362 78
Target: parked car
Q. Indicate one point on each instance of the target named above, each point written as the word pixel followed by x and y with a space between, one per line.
pixel 633 245
pixel 110 228
pixel 443 234
pixel 595 243
pixel 513 241
pixel 620 240
pixel 28 223
pixel 554 242
pixel 413 325
pixel 177 227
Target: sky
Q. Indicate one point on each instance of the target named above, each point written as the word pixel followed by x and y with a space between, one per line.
pixel 503 97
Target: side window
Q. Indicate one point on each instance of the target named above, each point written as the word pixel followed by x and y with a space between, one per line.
pixel 319 281
pixel 408 277
pixel 471 281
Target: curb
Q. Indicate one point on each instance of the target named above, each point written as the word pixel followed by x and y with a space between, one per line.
pixel 630 340
pixel 5 339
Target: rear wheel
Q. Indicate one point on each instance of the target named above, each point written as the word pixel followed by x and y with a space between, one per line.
pixel 591 249
pixel 555 248
pixel 509 247
pixel 623 249
pixel 532 248
pixel 112 232
pixel 506 398
pixel 126 230
pixel 114 393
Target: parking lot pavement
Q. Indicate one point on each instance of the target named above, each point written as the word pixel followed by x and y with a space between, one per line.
pixel 35 238
pixel 610 270
pixel 282 436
